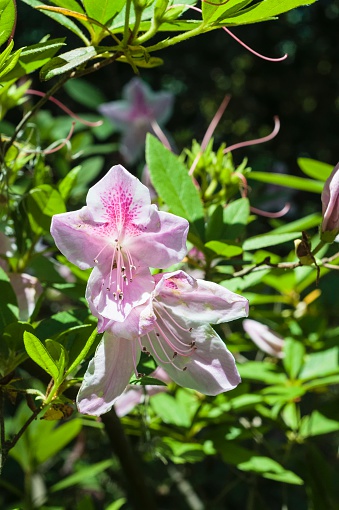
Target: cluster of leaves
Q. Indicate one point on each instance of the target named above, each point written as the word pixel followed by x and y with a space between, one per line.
pixel 272 426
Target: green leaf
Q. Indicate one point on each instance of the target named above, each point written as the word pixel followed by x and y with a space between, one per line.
pixel 116 505
pixel 42 203
pixel 60 18
pixel 235 217
pixel 289 181
pixel 218 9
pixel 7 19
pixel 321 364
pixel 38 352
pixel 103 11
pixel 85 93
pixel 261 371
pixel 263 241
pixel 306 223
pixel 294 357
pixel 223 249
pixel 58 354
pixel 264 10
pixel 82 476
pixel 68 182
pixel 33 57
pixel 173 184
pixel 315 169
pixel 247 460
pixel 83 353
pixel 317 424
pixel 170 410
pixel 48 444
pixel 67 61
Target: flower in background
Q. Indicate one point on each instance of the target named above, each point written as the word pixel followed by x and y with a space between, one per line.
pixel 141 111
pixel 27 288
pixel 330 207
pixel 136 394
pixel 264 337
pixel 174 328
pixel 119 233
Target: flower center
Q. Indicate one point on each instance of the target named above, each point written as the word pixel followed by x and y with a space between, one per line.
pixel 121 271
pixel 169 342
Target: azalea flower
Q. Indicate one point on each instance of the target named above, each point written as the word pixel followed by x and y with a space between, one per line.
pixel 174 328
pixel 138 113
pixel 264 337
pixel 119 233
pixel 330 207
pixel 27 288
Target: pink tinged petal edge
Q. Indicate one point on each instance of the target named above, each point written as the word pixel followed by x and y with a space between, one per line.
pixel 330 201
pixel 76 237
pixel 101 300
pixel 210 369
pixel 107 375
pixel 120 199
pixel 164 241
pixel 199 300
pixel 266 339
pixel 27 289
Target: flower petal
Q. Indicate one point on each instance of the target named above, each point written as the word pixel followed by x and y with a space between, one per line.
pixel 210 369
pixel 27 289
pixel 105 300
pixel 264 337
pixel 77 237
pixel 164 241
pixel 120 199
pixel 107 375
pixel 198 300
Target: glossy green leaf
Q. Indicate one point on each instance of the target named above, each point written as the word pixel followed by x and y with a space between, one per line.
pixel 170 410
pixel 263 241
pixel 317 423
pixel 219 9
pixel 38 352
pixel 58 353
pixel 315 169
pixel 306 223
pixel 85 93
pixel 83 353
pixel 264 10
pixel 7 19
pixel 68 182
pixel 67 61
pixel 294 357
pixel 103 11
pixel 224 249
pixel 247 460
pixel 33 57
pixel 42 203
pixel 49 443
pixel 321 363
pixel 261 372
pixel 60 18
pixel 173 184
pixel 288 181
pixel 235 217
pixel 83 475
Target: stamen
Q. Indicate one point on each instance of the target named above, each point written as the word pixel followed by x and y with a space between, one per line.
pixel 163 309
pixel 134 358
pixel 256 141
pixel 186 352
pixel 154 352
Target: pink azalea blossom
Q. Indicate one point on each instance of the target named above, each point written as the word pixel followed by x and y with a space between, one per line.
pixel 119 233
pixel 135 114
pixel 27 288
pixel 174 328
pixel 264 337
pixel 330 207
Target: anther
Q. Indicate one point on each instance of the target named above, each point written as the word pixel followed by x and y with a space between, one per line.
pixel 175 354
pixel 157 334
pixel 144 349
pixel 96 261
pixel 185 368
pixel 123 269
pixel 190 330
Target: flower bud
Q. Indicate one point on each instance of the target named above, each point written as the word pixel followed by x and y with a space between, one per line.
pixel 266 339
pixel 330 207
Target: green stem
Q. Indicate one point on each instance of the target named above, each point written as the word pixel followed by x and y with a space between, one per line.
pixel 138 16
pixel 139 494
pixel 149 34
pixel 178 38
pixel 318 247
pixel 126 28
